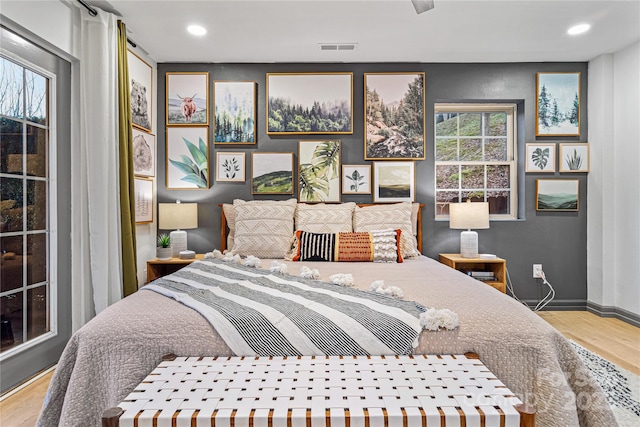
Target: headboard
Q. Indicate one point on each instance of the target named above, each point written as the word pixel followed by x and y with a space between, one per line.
pixel 224 228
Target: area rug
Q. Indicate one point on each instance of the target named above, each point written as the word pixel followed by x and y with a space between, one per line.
pixel 621 387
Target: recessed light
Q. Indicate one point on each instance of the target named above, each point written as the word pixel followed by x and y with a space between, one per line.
pixel 578 29
pixel 197 30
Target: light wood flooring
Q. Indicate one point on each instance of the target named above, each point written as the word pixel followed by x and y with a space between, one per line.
pixel 612 339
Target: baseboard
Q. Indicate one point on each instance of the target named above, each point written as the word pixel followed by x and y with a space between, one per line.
pixel 618 313
pixel 561 304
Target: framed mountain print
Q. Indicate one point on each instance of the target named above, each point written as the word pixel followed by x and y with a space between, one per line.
pixel 271 173
pixel 557 194
pixel 394 182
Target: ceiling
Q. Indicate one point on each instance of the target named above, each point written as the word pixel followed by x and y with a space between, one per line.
pixel 384 30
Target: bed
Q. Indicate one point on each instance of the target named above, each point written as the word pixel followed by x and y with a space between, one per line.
pixel 112 353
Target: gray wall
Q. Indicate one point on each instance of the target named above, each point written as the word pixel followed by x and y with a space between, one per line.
pixel 556 240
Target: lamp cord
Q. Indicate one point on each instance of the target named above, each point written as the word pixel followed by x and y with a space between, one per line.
pixel 543 302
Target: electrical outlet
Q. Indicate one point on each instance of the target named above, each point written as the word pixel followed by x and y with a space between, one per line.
pixel 537 271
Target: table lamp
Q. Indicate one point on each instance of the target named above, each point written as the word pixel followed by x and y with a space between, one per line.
pixel 178 217
pixel 467 216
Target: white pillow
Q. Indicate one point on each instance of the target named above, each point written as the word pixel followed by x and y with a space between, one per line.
pixel 263 228
pixel 322 218
pixel 398 215
pixel 230 216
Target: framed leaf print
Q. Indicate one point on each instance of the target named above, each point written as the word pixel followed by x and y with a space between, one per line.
pixel 319 171
pixel 187 99
pixel 187 158
pixel 140 89
pixel 234 106
pixel 541 157
pixel 271 173
pixel 574 157
pixel 144 153
pixel 558 104
pixel 356 179
pixel 230 166
pixel 394 182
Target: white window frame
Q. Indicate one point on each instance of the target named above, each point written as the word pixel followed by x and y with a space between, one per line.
pixel 510 109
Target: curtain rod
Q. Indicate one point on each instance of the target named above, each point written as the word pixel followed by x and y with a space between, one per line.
pixel 94 12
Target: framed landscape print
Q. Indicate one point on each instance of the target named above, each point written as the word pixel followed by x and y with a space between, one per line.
pixel 356 179
pixel 234 109
pixel 309 103
pixel 394 182
pixel 541 157
pixel 271 173
pixel 557 104
pixel 394 116
pixel 140 88
pixel 574 157
pixel 319 171
pixel 230 166
pixel 557 194
pixel 144 153
pixel 187 98
pixel 187 158
pixel 143 190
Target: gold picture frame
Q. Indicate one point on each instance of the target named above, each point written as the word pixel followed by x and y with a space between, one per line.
pixel 187 98
pixel 558 103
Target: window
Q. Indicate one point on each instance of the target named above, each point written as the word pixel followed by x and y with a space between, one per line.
pixel 475 157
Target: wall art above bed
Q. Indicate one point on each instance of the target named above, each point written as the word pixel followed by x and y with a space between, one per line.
pixel 319 171
pixel 234 109
pixel 271 173
pixel 187 99
pixel 187 158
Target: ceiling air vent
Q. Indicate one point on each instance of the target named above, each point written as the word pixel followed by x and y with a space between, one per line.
pixel 338 46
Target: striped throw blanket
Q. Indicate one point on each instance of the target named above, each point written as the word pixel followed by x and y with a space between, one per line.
pixel 262 314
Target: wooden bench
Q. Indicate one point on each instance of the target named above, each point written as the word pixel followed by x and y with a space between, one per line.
pixel 451 390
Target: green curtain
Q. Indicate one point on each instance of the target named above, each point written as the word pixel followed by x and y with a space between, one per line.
pixel 125 148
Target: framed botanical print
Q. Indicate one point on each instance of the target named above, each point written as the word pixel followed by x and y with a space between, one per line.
pixel 271 173
pixel 143 190
pixel 234 106
pixel 558 104
pixel 541 157
pixel 309 103
pixel 140 88
pixel 187 99
pixel 557 194
pixel 230 166
pixel 394 116
pixel 144 153
pixel 356 179
pixel 319 171
pixel 574 157
pixel 187 158
pixel 394 182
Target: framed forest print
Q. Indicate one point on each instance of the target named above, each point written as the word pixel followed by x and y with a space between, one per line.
pixel 187 158
pixel 271 173
pixel 541 157
pixel 187 99
pixel 356 179
pixel 143 191
pixel 557 194
pixel 394 116
pixel 144 153
pixel 557 104
pixel 309 103
pixel 230 166
pixel 319 171
pixel 234 109
pixel 394 182
pixel 140 88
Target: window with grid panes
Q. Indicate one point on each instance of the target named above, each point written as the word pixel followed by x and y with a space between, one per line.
pixel 475 157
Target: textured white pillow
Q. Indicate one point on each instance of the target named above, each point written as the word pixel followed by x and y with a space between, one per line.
pixel 263 228
pixel 398 215
pixel 322 218
pixel 230 216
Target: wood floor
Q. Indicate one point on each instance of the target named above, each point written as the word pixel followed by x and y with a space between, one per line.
pixel 612 339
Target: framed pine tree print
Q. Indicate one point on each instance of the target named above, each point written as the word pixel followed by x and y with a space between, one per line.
pixel 558 104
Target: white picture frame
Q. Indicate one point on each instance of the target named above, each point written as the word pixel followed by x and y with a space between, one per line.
pixel 394 182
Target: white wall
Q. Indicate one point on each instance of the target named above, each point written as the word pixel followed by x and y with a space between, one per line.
pixel 614 183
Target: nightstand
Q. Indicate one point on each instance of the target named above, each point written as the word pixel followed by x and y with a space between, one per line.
pixel 161 267
pixel 495 267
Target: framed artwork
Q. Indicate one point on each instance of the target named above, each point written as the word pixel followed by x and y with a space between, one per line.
pixel 140 88
pixel 230 166
pixel 144 153
pixel 557 194
pixel 187 158
pixel 187 99
pixel 541 157
pixel 309 103
pixel 271 173
pixel 394 116
pixel 143 190
pixel 319 171
pixel 394 182
pixel 557 104
pixel 356 179
pixel 234 106
pixel 574 157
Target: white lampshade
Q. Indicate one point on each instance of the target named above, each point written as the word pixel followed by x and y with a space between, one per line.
pixel 177 216
pixel 466 216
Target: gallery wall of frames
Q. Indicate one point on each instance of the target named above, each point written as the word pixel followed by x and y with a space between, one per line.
pixel 330 133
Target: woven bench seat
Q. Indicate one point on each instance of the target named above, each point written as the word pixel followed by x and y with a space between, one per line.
pixel 358 391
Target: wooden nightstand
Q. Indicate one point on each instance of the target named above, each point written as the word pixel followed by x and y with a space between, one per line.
pixel 161 267
pixel 497 266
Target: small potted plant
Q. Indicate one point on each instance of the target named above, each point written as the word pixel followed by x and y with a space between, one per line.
pixel 163 251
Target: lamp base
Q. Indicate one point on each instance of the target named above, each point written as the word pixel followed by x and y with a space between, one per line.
pixel 469 244
pixel 178 242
